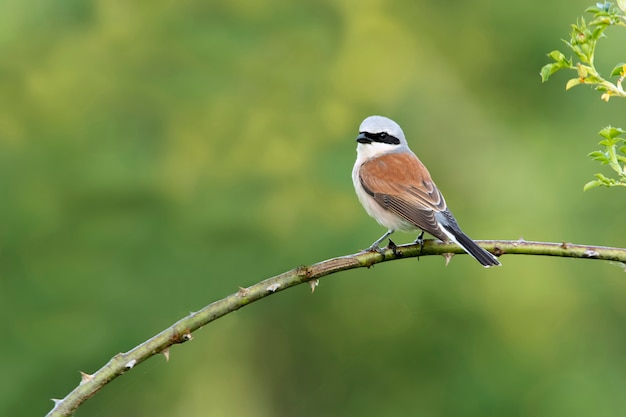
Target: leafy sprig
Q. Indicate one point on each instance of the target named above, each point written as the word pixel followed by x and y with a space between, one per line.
pixel 583 41
pixel 584 38
pixel 614 155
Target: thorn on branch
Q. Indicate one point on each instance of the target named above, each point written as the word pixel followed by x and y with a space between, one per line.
pixel 394 248
pixel 243 292
pixel 273 287
pixel 314 283
pixel 84 378
pixel 166 352
pixel 131 364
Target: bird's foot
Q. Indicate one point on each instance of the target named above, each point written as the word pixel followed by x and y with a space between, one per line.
pixel 420 241
pixel 391 245
pixel 375 248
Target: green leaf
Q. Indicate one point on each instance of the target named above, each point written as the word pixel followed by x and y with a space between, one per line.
pixel 604 180
pixel 592 184
pixel 611 132
pixel 587 49
pixel 592 9
pixel 557 56
pixel 592 79
pixel 598 31
pixel 599 156
pixel 619 70
pixel 548 70
pixel 571 83
pixel 607 142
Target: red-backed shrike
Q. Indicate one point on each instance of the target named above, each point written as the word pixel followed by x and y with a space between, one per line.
pixel 395 188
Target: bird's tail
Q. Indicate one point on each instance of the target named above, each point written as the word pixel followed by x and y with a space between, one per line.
pixel 485 258
pixel 448 224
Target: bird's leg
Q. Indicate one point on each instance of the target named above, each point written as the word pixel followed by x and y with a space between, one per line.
pixel 375 246
pixel 420 241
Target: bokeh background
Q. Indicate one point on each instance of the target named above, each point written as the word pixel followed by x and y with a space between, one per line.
pixel 155 156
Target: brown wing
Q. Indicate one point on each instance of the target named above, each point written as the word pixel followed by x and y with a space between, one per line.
pixel 401 184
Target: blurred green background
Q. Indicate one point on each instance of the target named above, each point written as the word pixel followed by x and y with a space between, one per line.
pixel 155 156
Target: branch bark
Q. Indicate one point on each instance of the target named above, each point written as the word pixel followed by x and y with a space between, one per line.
pixel 180 331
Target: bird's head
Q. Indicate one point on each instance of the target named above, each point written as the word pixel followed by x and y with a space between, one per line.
pixel 379 135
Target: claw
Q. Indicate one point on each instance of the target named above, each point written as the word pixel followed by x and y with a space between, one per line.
pixel 420 241
pixel 375 248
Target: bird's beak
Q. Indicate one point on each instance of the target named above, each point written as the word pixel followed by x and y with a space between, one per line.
pixel 363 139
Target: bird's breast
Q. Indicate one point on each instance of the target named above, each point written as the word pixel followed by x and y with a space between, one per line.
pixel 375 210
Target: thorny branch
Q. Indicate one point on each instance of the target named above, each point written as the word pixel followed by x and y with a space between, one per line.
pixel 180 332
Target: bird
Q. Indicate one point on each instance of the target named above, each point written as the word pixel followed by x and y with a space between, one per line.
pixel 396 189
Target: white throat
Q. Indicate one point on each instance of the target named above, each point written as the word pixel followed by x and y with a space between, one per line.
pixel 365 152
